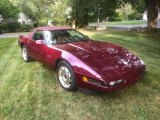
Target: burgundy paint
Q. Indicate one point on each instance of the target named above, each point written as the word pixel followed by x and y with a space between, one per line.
pixel 101 61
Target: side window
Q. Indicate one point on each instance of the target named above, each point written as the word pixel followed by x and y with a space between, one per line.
pixel 35 36
pixel 75 33
pixel 38 36
pixel 50 37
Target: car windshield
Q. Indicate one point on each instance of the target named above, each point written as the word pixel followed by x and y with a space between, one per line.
pixel 64 36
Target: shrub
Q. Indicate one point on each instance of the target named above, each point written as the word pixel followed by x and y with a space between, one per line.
pixel 10 27
pixel 26 28
pixel 15 27
pixel 3 28
pixel 42 24
pixel 139 16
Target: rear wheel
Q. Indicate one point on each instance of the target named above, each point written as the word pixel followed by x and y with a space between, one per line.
pixel 66 76
pixel 25 56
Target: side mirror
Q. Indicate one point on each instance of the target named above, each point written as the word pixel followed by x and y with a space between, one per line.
pixel 40 42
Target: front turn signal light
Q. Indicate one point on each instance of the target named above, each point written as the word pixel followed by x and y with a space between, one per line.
pixel 85 79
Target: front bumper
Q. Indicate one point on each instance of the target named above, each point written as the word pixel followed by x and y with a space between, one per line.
pixel 129 79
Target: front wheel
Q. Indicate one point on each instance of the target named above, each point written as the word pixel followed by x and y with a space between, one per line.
pixel 66 76
pixel 25 56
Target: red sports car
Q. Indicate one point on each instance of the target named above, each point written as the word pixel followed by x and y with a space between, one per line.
pixel 81 62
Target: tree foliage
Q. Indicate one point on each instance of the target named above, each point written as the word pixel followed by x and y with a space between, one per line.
pixel 82 11
pixel 43 10
pixel 34 9
pixel 139 6
pixel 152 10
pixel 7 10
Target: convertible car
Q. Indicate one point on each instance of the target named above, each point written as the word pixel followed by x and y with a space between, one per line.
pixel 81 62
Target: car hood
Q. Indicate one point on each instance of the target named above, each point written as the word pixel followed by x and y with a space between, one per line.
pixel 107 59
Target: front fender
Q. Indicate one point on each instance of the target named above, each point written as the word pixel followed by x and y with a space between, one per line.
pixel 79 66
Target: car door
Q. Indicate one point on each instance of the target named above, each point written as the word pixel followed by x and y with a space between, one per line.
pixel 37 47
pixel 51 50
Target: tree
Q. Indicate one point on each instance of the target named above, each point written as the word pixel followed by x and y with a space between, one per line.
pixel 41 11
pixel 152 12
pixel 82 10
pixel 7 10
pixel 59 11
pixel 125 11
pixel 34 9
pixel 140 6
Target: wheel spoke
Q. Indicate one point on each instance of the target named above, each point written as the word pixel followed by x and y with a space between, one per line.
pixel 24 54
pixel 64 76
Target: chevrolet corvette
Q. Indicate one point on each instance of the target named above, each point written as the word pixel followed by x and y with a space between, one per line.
pixel 81 62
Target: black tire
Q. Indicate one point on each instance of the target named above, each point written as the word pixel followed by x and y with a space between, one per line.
pixel 72 81
pixel 24 53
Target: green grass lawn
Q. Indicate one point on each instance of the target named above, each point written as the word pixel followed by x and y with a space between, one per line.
pixel 132 22
pixel 30 91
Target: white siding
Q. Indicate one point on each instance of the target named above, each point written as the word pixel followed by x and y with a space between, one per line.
pixel 158 16
pixel 1 18
pixel 23 19
pixel 144 16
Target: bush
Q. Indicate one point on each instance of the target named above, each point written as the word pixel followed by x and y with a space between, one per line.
pixel 118 18
pixel 26 28
pixel 15 27
pixel 139 16
pixel 35 24
pixel 10 27
pixel 135 16
pixel 132 16
pixel 3 28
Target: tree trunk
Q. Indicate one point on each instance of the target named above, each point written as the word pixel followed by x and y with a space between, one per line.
pixel 152 13
pixel 85 23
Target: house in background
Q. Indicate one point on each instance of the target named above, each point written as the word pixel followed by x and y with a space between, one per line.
pixel 23 19
pixel 145 15
pixel 1 18
pixel 13 24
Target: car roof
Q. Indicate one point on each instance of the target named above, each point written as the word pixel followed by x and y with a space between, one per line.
pixel 53 28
